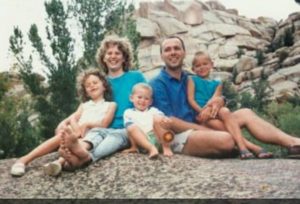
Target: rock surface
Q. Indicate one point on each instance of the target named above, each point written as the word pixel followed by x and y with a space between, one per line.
pixel 227 36
pixel 135 176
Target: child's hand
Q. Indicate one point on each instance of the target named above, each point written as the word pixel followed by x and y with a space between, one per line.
pixel 204 115
pixel 215 103
pixel 83 129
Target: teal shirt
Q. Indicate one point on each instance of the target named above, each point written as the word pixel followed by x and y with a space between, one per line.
pixel 121 88
pixel 204 89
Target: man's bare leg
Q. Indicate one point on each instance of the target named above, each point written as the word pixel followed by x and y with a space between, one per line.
pixel 209 143
pixel 257 127
pixel 178 125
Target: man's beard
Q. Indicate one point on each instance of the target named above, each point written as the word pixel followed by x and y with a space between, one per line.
pixel 174 68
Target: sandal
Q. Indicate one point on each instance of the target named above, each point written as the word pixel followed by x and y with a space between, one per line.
pixel 18 169
pixel 294 152
pixel 245 154
pixel 52 169
pixel 263 154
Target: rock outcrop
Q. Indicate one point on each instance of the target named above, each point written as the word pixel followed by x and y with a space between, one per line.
pixel 233 41
pixel 135 176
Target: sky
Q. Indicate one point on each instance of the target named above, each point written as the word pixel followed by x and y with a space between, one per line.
pixel 24 13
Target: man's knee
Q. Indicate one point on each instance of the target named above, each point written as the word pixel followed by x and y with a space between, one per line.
pixel 227 143
pixel 244 116
pixel 245 112
pixel 224 113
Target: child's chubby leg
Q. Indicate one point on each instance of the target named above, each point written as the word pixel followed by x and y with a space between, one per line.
pixel 141 140
pixel 163 135
pixel 133 148
pixel 74 150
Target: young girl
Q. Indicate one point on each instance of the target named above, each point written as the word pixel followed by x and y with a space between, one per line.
pixel 200 90
pixel 94 112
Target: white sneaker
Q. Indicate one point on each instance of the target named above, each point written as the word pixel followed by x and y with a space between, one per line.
pixel 52 169
pixel 18 169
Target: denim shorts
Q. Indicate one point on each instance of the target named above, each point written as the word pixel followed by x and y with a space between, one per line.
pixel 179 141
pixel 106 141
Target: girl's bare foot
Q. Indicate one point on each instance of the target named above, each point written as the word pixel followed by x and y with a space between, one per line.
pixel 72 144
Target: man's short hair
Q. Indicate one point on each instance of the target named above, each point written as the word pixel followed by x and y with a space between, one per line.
pixel 172 37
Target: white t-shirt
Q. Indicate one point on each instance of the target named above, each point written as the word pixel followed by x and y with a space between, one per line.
pixel 93 112
pixel 143 119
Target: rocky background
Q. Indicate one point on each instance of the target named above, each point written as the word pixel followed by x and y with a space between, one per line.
pixel 235 43
pixel 242 49
pixel 135 176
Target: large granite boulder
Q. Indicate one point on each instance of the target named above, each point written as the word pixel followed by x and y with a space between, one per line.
pixel 134 176
pixel 228 37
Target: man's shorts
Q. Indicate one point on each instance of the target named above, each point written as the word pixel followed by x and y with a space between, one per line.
pixel 179 141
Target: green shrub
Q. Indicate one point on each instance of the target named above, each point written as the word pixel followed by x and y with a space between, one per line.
pixel 230 94
pixel 17 136
pixel 259 55
pixel 288 38
pixel 282 56
pixel 286 117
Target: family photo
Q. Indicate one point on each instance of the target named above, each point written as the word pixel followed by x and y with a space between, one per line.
pixel 154 100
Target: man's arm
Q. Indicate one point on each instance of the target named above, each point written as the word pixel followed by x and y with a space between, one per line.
pixel 161 98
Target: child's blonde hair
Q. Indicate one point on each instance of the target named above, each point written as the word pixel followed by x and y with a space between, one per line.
pixel 83 77
pixel 143 86
pixel 200 53
pixel 123 45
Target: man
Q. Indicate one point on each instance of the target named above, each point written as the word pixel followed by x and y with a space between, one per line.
pixel 170 97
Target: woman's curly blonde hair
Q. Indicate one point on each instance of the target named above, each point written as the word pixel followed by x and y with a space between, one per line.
pixel 83 77
pixel 123 45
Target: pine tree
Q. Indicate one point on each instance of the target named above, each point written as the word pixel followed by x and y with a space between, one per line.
pixel 57 100
pixel 90 17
